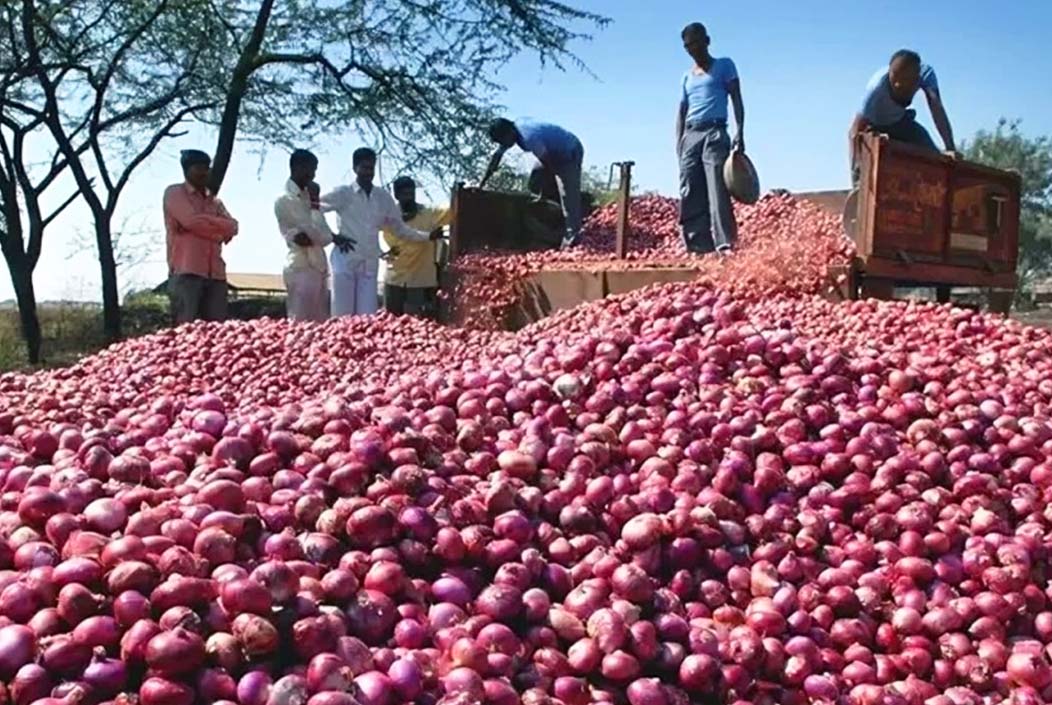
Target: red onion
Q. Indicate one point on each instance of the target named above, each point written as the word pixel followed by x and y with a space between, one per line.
pixel 158 691
pixel 175 653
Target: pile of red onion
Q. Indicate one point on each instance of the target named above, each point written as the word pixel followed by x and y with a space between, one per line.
pixel 682 495
pixel 784 246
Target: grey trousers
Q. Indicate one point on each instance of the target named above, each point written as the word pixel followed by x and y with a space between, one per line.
pixel 705 210
pixel 568 174
pixel 195 298
pixel 411 301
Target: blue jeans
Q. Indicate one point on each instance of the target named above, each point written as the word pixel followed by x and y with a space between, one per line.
pixel 568 177
pixel 705 210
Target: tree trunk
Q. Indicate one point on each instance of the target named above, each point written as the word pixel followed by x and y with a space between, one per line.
pixel 22 280
pixel 228 130
pixel 111 303
pixel 235 95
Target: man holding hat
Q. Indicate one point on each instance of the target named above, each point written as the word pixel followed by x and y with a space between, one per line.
pixel 197 226
pixel 703 145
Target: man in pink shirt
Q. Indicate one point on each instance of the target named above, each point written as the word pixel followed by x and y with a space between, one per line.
pixel 197 226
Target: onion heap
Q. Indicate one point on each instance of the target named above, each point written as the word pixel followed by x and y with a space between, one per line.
pixel 784 246
pixel 682 495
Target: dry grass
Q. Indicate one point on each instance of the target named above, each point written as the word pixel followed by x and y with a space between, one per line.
pixel 72 330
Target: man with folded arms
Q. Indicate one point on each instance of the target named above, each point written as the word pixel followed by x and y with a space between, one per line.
pixel 197 226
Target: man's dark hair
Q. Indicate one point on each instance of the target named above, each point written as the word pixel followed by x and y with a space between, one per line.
pixel 910 57
pixel 361 154
pixel 403 182
pixel 695 28
pixel 500 127
pixel 302 157
pixel 190 157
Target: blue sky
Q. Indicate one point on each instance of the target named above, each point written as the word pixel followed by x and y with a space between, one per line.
pixel 803 66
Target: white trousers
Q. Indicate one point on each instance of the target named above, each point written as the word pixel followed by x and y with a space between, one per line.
pixel 307 294
pixel 354 289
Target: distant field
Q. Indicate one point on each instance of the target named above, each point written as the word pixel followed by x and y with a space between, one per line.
pixel 72 330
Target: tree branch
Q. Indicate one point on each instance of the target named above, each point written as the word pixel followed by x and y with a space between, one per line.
pixel 146 151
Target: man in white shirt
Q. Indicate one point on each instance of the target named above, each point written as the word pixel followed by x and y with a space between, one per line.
pixel 363 211
pixel 302 225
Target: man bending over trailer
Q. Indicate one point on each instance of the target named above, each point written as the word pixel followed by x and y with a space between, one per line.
pixel 886 111
pixel 557 149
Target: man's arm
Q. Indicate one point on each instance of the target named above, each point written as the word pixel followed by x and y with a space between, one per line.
pixel 858 126
pixel 734 88
pixel 300 226
pixel 401 230
pixel 226 222
pixel 330 201
pixel 681 121
pixel 942 121
pixel 494 162
pixel 207 227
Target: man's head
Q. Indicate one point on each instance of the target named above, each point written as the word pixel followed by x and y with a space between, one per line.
pixel 364 163
pixel 904 74
pixel 696 41
pixel 404 189
pixel 196 166
pixel 502 131
pixel 303 166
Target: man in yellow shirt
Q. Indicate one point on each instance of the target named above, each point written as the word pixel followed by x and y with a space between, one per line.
pixel 411 279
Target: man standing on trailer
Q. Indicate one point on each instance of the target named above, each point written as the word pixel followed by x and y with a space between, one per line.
pixel 362 211
pixel 411 280
pixel 702 143
pixel 886 107
pixel 197 226
pixel 558 150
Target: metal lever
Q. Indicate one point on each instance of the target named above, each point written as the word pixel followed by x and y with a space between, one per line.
pixel 623 198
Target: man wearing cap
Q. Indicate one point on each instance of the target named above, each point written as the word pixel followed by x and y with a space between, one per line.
pixel 702 143
pixel 362 210
pixel 411 279
pixel 886 107
pixel 197 225
pixel 303 227
pixel 559 152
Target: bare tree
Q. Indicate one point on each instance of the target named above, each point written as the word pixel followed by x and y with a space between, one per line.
pixel 24 189
pixel 111 81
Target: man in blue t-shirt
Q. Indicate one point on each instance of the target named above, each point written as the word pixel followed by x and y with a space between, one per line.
pixel 706 214
pixel 885 107
pixel 559 152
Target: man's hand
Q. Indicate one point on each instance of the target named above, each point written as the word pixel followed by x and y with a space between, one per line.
pixel 953 154
pixel 343 243
pixel 739 142
pixel 437 234
pixel 315 194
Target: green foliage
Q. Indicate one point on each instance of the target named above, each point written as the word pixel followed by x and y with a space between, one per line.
pixel 1006 147
pixel 415 79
